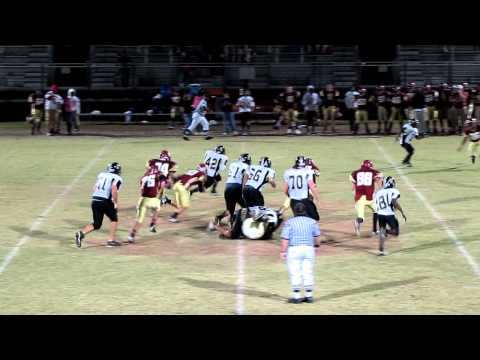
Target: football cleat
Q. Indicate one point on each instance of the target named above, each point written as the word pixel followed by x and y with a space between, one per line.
pixel 113 243
pixel 186 138
pixel 78 239
pixel 131 239
pixel 294 301
pixel 173 220
pixel 153 229
pixel 308 300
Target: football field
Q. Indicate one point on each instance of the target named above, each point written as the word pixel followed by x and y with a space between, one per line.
pixel 433 267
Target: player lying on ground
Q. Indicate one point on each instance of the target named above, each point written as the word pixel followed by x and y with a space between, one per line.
pixel 181 186
pixel 104 202
pixel 151 183
pixel 386 201
pixel 471 133
pixel 244 226
pixel 299 186
pixel 364 181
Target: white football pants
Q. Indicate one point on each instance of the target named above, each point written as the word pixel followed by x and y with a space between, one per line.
pixel 300 262
pixel 198 119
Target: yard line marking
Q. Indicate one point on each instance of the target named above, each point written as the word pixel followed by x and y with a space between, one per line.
pixel 435 214
pixel 43 216
pixel 240 304
pixel 240 290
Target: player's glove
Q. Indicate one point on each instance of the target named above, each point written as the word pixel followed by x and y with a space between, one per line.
pixel 165 200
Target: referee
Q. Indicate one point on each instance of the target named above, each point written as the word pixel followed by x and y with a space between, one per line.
pixel 300 243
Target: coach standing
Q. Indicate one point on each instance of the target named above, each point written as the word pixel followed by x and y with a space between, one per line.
pixel 300 243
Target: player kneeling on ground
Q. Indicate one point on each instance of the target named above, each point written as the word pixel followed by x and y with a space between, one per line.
pixel 244 226
pixel 104 202
pixel 181 186
pixel 150 186
pixel 471 133
pixel 386 201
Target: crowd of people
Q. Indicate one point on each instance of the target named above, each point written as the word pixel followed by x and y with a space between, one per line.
pixel 52 108
pixel 439 109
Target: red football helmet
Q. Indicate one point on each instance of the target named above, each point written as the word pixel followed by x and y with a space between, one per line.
pixel 367 164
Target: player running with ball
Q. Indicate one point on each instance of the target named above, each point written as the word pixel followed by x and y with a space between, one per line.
pixel 471 133
pixel 364 181
pixel 386 201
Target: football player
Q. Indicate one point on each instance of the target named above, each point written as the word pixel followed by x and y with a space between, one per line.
pixel 471 133
pixel 361 110
pixel 104 202
pixel 431 99
pixel 215 161
pixel 381 97
pixel 409 132
pixel 181 186
pixel 259 175
pixel 198 117
pixel 364 181
pixel 310 102
pixel 386 202
pixel 237 176
pixel 299 186
pixel 37 103
pixel 150 185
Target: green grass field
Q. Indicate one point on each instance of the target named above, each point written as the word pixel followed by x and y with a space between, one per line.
pixel 185 270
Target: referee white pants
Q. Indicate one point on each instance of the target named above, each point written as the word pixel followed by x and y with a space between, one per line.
pixel 300 262
pixel 198 119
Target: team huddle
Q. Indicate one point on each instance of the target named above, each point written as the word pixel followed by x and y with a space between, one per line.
pixel 246 214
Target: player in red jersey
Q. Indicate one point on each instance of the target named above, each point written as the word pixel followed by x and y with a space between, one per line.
pixel 181 186
pixel 150 185
pixel 163 163
pixel 364 181
pixel 471 133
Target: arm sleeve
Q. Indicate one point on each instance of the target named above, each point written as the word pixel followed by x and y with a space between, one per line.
pixel 315 230
pixel 286 231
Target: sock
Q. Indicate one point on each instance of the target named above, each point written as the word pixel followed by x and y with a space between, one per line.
pixel 375 219
pixel 308 293
pixel 296 294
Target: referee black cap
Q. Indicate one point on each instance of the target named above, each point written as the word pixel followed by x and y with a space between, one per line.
pixel 299 209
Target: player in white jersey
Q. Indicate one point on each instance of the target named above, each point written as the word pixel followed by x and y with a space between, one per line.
pixel 299 186
pixel 409 132
pixel 259 175
pixel 104 202
pixel 216 161
pixel 237 176
pixel 386 201
pixel 198 117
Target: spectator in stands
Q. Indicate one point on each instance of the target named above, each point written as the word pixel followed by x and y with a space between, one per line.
pixel 53 104
pixel 311 102
pixel 228 115
pixel 72 110
pixel 37 104
pixel 349 100
pixel 125 65
pixel 246 106
pixel 329 97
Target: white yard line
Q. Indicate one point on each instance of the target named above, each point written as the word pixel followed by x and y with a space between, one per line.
pixel 43 216
pixel 435 214
pixel 240 296
pixel 240 304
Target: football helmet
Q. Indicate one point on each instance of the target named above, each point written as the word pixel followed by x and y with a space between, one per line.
pixel 265 161
pixel 245 158
pixel 114 168
pixel 413 123
pixel 368 164
pixel 300 162
pixel 220 149
pixel 389 183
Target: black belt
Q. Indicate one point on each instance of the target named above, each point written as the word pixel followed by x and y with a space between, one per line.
pixel 98 198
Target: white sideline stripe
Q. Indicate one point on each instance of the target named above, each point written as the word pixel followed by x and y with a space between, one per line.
pixel 43 216
pixel 441 221
pixel 240 296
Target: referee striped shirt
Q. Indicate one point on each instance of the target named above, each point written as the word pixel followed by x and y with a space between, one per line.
pixel 300 230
